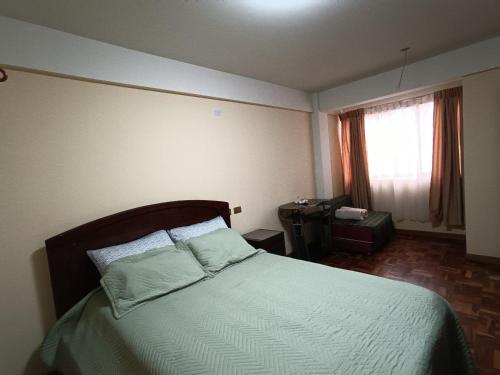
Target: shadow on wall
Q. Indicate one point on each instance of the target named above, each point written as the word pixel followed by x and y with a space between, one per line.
pixel 40 268
pixel 34 364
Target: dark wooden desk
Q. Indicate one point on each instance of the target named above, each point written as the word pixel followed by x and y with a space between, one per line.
pixel 293 216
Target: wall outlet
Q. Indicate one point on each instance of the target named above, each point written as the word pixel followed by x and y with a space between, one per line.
pixel 237 209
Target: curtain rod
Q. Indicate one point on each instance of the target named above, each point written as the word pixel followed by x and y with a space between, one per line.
pixel 414 94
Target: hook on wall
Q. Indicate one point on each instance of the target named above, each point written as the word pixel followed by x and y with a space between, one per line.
pixel 3 76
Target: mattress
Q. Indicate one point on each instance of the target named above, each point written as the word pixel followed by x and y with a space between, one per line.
pixel 267 315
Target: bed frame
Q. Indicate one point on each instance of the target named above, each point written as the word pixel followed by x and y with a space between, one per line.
pixel 73 274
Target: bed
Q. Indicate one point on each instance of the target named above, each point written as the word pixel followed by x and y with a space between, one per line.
pixel 267 314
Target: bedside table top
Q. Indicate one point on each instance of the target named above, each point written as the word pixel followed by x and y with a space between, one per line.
pixel 261 234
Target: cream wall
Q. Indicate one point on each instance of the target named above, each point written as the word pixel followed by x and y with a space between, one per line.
pixel 482 162
pixel 73 151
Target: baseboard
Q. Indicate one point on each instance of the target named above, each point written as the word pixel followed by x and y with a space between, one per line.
pixel 484 259
pixel 458 237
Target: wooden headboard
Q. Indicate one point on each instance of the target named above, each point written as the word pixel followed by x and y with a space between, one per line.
pixel 73 274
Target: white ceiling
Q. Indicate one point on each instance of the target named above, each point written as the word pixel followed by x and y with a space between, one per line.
pixel 304 44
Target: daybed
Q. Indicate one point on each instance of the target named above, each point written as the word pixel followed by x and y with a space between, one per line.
pixel 363 236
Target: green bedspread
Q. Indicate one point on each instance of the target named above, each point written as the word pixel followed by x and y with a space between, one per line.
pixel 267 315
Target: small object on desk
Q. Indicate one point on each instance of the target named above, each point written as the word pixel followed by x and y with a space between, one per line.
pixel 273 241
pixel 301 201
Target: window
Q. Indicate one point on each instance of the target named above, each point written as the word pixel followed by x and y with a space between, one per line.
pixel 399 148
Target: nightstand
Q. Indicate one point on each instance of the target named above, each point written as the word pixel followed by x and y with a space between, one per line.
pixel 273 241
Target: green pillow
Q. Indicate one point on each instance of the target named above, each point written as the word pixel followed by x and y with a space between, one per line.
pixel 132 281
pixel 220 248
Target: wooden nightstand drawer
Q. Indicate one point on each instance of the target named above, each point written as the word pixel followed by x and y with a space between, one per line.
pixel 272 241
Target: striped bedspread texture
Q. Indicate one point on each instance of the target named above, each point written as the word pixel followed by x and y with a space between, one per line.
pixel 267 315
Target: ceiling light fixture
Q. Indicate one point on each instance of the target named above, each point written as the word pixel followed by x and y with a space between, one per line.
pixel 280 6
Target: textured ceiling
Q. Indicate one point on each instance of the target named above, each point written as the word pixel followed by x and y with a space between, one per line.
pixel 304 44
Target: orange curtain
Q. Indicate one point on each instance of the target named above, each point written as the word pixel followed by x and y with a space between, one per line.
pixel 354 159
pixel 446 198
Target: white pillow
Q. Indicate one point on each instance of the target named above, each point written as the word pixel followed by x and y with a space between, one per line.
pixel 103 257
pixel 195 230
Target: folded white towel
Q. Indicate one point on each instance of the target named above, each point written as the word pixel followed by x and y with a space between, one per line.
pixel 361 210
pixel 351 213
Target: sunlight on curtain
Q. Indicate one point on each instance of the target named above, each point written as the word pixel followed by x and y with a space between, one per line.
pixel 399 147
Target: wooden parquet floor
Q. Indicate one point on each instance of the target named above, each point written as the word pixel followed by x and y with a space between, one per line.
pixel 472 288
